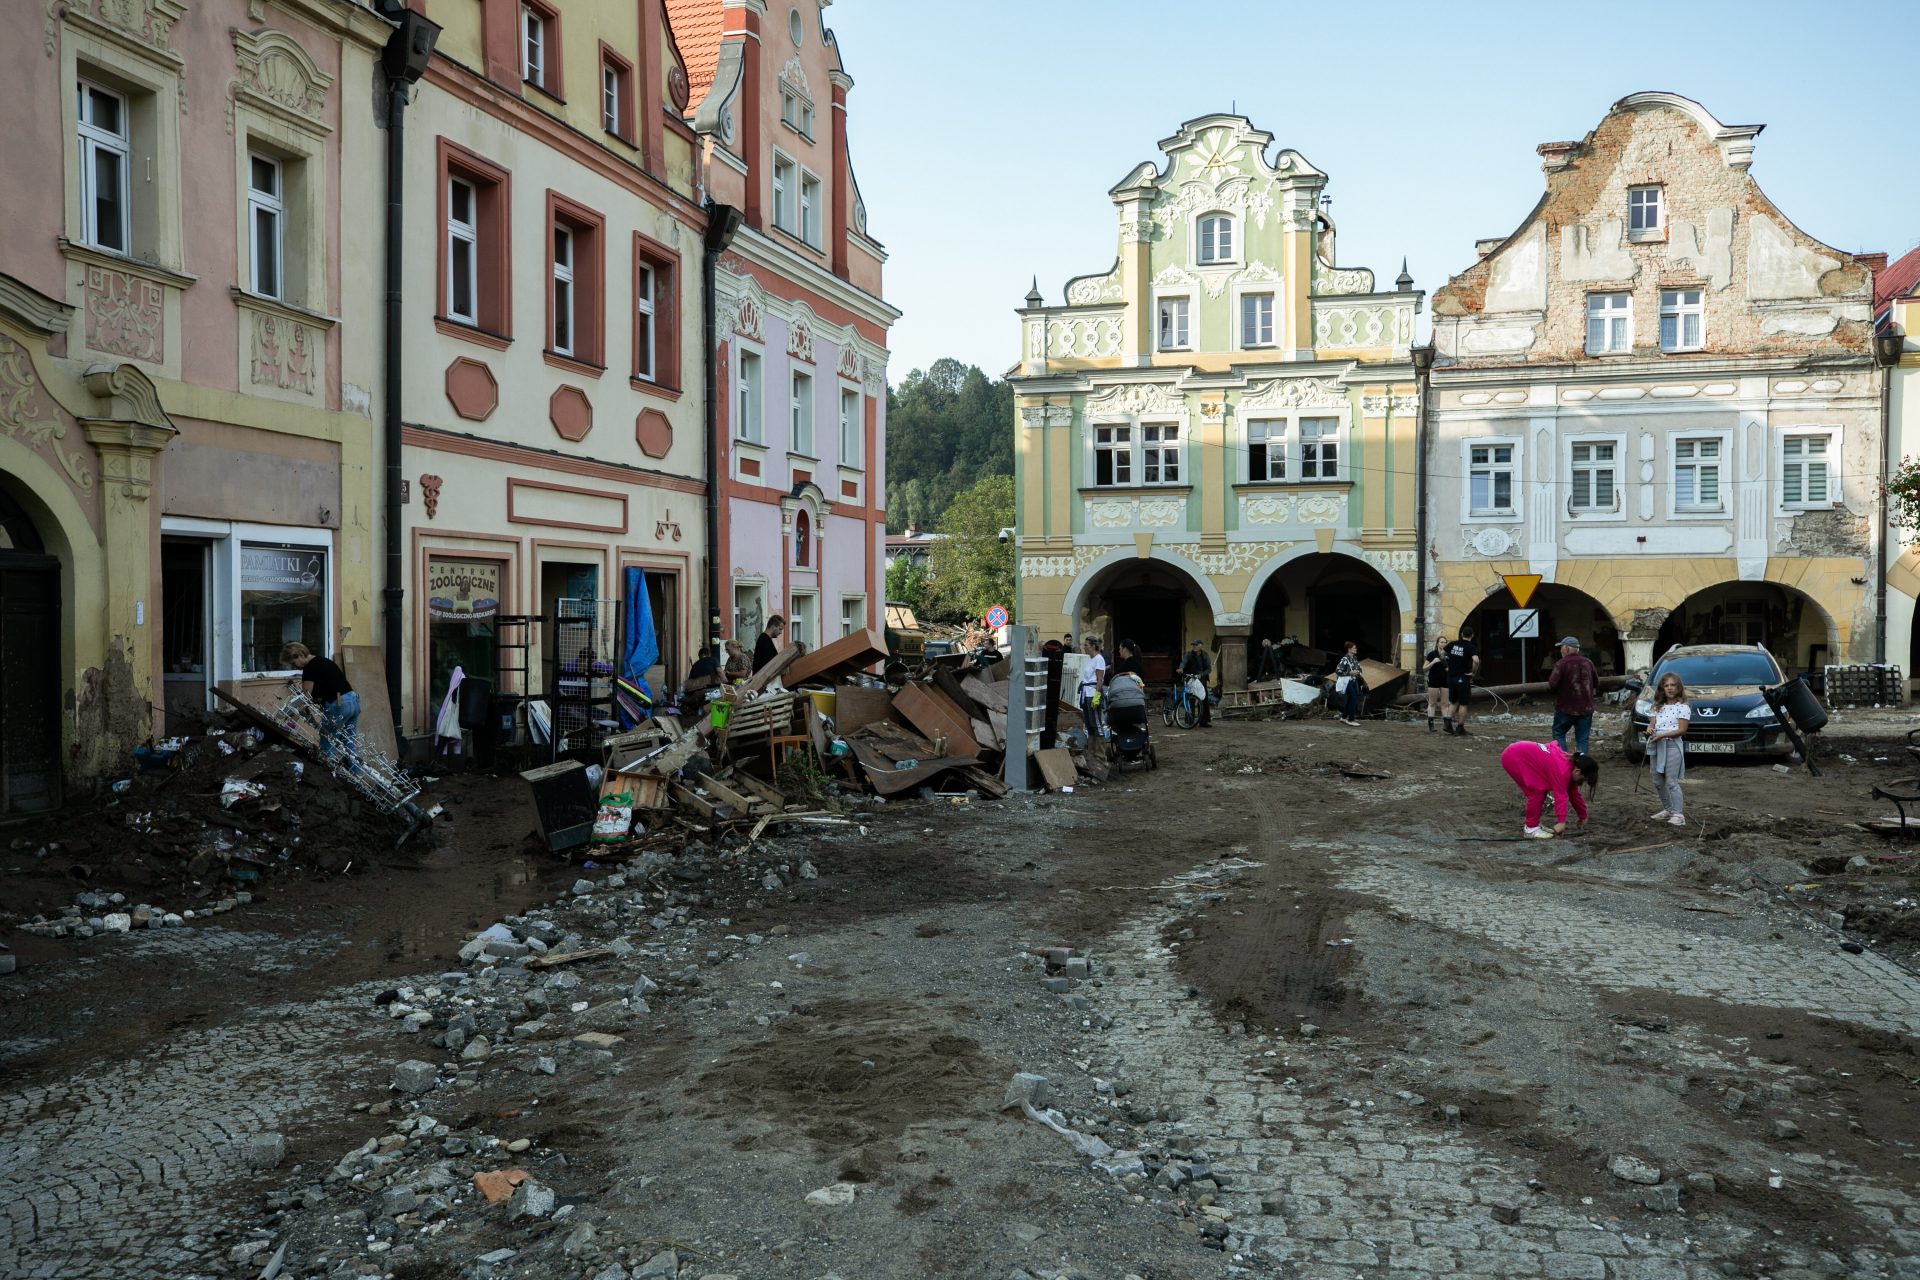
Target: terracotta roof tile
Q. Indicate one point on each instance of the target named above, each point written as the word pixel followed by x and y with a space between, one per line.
pixel 697 25
pixel 1897 281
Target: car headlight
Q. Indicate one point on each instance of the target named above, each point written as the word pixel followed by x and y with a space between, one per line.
pixel 1644 707
pixel 1761 712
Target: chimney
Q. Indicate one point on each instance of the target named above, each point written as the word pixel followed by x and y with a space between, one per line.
pixel 1481 248
pixel 1874 262
pixel 913 528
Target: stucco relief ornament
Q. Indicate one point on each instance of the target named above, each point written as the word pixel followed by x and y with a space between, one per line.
pixel 1136 398
pixel 1239 557
pixel 849 363
pixel 124 315
pixel 1217 155
pixel 148 21
pixel 1491 542
pixel 1088 290
pixel 1320 509
pixel 276 72
pixel 800 341
pixel 1294 393
pixel 1341 280
pixel 1110 514
pixel 1161 513
pixel 1064 565
pixel 664 526
pixel 746 319
pixel 430 493
pixel 1267 510
pixel 26 416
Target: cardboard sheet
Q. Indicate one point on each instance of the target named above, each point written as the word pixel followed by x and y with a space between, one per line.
pixel 849 653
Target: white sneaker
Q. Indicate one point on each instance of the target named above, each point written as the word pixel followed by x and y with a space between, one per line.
pixel 1538 833
pixel 1662 816
pixel 1678 820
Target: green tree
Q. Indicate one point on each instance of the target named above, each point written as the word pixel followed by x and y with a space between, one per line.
pixel 970 567
pixel 907 583
pixel 947 426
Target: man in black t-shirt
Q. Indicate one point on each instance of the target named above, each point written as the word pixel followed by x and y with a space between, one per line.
pixel 1463 663
pixel 322 680
pixel 767 647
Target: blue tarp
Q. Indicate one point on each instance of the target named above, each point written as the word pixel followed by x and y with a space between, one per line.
pixel 642 651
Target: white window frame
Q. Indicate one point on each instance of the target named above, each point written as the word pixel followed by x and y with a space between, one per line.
pixel 1297 458
pixel 1254 341
pixel 1232 256
pixel 749 395
pixel 94 142
pixel 800 421
pixel 1658 229
pixel 534 33
pixel 861 602
pixel 852 426
pixel 1607 316
pixel 565 296
pixel 796 111
pixel 1192 342
pixel 1121 446
pixel 610 97
pixel 463 238
pixel 646 279
pixel 1160 448
pixel 797 614
pixel 1593 514
pixel 1679 311
pixel 272 206
pixel 1831 460
pixel 786 194
pixel 811 191
pixel 1516 468
pixel 1723 506
pixel 1277 431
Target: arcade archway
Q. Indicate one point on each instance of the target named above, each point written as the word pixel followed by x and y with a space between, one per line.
pixel 1153 603
pixel 1323 600
pixel 1563 611
pixel 30 709
pixel 1790 623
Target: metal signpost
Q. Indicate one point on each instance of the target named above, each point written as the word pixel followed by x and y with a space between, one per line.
pixel 1523 624
pixel 1026 703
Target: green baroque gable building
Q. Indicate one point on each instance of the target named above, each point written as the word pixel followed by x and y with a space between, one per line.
pixel 1217 437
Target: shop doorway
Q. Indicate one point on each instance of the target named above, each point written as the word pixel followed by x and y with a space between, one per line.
pixel 663 595
pixel 463 609
pixel 186 624
pixel 30 709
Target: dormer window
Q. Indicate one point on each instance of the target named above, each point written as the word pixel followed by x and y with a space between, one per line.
pixel 1216 238
pixel 1645 220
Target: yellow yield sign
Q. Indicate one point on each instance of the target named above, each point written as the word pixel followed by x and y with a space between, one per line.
pixel 1521 585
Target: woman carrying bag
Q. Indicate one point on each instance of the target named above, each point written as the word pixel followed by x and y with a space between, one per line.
pixel 1348 684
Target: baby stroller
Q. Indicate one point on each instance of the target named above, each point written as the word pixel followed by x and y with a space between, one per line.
pixel 1126 704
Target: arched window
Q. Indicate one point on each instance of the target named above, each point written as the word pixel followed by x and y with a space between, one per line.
pixel 802 540
pixel 1216 238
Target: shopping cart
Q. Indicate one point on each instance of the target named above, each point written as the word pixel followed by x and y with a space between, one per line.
pixel 361 765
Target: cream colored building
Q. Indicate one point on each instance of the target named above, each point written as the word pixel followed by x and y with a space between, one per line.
pixel 1657 393
pixel 1216 436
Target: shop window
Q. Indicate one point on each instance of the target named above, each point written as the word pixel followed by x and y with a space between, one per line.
pixel 463 605
pixel 283 599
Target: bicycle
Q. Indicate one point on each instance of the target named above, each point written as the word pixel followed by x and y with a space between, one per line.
pixel 1180 707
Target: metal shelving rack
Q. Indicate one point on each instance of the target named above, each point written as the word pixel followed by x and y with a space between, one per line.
pixel 580 673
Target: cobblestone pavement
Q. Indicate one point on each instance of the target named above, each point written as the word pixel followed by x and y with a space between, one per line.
pixel 1619 954
pixel 133 1166
pixel 1332 1177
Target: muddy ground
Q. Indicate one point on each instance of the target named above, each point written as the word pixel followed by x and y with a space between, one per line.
pixel 1309 990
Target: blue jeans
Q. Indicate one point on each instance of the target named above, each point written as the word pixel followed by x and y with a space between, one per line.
pixel 340 726
pixel 1582 727
pixel 1090 713
pixel 1351 711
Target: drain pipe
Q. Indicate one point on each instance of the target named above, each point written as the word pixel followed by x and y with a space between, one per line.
pixel 1423 374
pixel 1888 343
pixel 723 221
pixel 404 59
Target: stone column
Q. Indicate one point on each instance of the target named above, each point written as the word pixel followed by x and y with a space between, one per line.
pixel 117 706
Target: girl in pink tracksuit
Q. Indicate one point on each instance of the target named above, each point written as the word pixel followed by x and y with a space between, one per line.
pixel 1538 768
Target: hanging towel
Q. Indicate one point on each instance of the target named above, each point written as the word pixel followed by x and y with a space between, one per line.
pixel 447 737
pixel 640 650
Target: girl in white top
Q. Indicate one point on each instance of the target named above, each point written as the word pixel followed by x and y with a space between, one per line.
pixel 1666 749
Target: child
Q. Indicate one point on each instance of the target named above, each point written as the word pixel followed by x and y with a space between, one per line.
pixel 1666 747
pixel 1538 768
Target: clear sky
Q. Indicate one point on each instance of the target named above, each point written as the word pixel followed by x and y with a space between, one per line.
pixel 985 134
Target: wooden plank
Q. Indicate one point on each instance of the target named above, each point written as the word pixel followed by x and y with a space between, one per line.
pixel 934 715
pixel 774 669
pixel 714 787
pixel 851 652
pixel 984 735
pixel 553 959
pixel 760 790
pixel 366 670
pixel 992 696
pixel 948 683
pixel 684 795
pixel 983 782
pixel 855 707
pixel 817 731
pixel 1056 767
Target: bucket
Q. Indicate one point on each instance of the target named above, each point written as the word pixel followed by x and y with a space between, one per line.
pixel 823 701
pixel 719 711
pixel 1797 700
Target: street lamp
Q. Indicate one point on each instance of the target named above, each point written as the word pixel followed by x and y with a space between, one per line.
pixel 1422 357
pixel 1888 343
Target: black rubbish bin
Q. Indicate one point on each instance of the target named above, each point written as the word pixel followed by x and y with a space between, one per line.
pixel 1797 700
pixel 476 704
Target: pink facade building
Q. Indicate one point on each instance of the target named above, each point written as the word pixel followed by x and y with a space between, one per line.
pixel 801 332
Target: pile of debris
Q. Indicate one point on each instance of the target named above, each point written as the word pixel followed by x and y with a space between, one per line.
pixel 809 734
pixel 226 807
